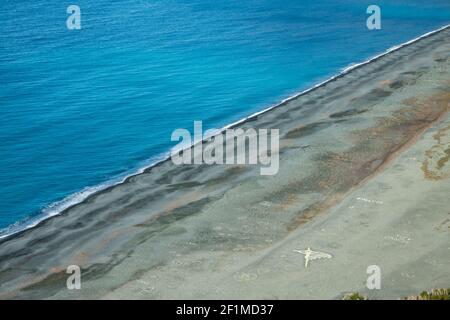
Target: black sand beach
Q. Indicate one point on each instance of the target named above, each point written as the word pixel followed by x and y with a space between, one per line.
pixel 370 188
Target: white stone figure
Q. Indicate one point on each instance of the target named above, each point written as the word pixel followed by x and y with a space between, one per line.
pixel 313 255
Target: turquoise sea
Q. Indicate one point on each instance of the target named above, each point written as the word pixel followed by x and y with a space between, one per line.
pixel 81 109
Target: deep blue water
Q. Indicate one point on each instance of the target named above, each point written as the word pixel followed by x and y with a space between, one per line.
pixel 79 108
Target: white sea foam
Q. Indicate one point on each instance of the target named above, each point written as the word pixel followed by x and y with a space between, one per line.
pixel 58 207
pixel 74 199
pixel 343 72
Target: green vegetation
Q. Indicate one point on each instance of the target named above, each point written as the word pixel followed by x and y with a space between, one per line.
pixel 435 294
pixel 354 296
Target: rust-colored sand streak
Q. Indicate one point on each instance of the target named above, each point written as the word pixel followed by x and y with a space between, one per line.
pixel 332 200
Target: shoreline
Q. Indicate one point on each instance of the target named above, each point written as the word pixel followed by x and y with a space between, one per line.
pixel 67 204
pixel 360 192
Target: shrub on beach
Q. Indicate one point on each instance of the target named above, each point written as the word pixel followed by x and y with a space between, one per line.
pixel 435 294
pixel 354 296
